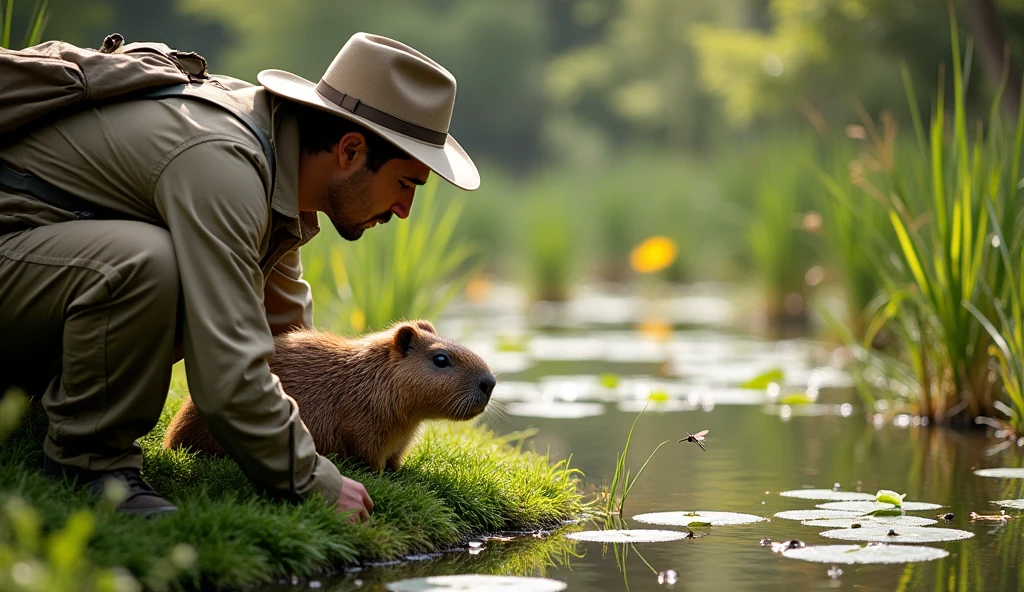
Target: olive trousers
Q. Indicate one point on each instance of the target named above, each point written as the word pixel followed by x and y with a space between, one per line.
pixel 90 309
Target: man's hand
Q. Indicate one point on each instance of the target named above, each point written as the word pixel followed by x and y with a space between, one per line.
pixel 354 497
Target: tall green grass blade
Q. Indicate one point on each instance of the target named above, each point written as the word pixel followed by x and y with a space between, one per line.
pixel 8 19
pixel 910 253
pixel 34 34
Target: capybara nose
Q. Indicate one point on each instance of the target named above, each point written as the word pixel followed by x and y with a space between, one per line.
pixel 487 383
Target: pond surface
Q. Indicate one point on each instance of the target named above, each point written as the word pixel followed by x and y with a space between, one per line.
pixel 583 387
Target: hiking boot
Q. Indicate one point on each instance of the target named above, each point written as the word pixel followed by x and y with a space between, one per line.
pixel 140 499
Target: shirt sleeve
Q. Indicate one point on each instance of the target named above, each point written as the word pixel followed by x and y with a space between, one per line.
pixel 287 297
pixel 212 198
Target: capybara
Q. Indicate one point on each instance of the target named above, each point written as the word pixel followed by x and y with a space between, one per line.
pixel 364 398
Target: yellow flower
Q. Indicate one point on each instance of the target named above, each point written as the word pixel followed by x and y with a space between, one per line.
pixel 654 254
pixel 478 289
pixel 655 329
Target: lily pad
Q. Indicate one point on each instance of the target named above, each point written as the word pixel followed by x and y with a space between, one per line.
pixel 476 582
pixel 1017 504
pixel 1001 473
pixel 865 507
pixel 817 514
pixel 762 381
pixel 829 495
pixel 904 534
pixel 640 535
pixel 870 554
pixel 866 521
pixel 553 410
pixel 687 518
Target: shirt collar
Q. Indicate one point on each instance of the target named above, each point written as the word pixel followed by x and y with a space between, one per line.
pixel 285 199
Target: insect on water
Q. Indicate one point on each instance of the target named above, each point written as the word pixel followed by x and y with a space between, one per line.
pixel 698 438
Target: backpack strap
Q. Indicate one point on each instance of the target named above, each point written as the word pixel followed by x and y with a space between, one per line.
pixel 12 178
pixel 182 90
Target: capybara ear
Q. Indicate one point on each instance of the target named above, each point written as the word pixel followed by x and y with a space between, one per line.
pixel 403 338
pixel 426 326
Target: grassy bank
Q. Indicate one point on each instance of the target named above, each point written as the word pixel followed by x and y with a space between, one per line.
pixel 460 480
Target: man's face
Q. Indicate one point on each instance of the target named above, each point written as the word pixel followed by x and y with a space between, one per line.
pixel 362 199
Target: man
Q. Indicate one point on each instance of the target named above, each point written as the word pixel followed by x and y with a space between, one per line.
pixel 195 253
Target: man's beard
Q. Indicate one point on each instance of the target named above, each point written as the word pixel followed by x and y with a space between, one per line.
pixel 347 205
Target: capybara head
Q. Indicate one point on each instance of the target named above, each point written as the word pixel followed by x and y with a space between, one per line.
pixel 450 381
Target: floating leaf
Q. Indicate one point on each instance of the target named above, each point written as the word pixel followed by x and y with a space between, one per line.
pixel 829 495
pixel 762 381
pixel 866 507
pixel 1001 473
pixel 795 399
pixel 887 496
pixel 609 380
pixel 1017 504
pixel 904 534
pixel 698 517
pixel 640 535
pixel 870 554
pixel 817 514
pixel 476 582
pixel 659 396
pixel 507 343
pixel 865 521
pixel 554 410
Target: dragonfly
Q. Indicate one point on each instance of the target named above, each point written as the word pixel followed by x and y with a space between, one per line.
pixel 698 438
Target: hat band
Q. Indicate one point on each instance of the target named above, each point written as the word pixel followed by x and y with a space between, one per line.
pixel 354 106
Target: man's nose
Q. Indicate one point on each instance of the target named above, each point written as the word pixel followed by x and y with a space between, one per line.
pixel 402 208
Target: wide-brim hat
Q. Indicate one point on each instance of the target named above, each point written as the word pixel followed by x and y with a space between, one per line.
pixel 393 90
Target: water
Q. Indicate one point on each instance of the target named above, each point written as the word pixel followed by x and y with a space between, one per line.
pixel 754 451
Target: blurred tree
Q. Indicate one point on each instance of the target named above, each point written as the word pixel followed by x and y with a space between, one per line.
pixel 494 49
pixel 638 79
pixel 817 51
pixel 87 23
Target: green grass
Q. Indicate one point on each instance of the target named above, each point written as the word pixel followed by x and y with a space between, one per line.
pixel 458 481
pixel 621 483
pixel 948 198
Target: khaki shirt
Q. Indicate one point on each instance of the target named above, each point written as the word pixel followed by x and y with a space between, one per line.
pixel 194 169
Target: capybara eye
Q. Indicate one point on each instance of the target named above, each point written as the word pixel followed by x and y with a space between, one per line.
pixel 442 361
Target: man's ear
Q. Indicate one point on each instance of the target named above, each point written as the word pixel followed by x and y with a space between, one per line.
pixel 349 148
pixel 426 326
pixel 404 336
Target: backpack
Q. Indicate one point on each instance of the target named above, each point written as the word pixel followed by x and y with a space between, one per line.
pixel 55 78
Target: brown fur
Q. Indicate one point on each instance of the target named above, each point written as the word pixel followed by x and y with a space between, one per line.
pixel 364 398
